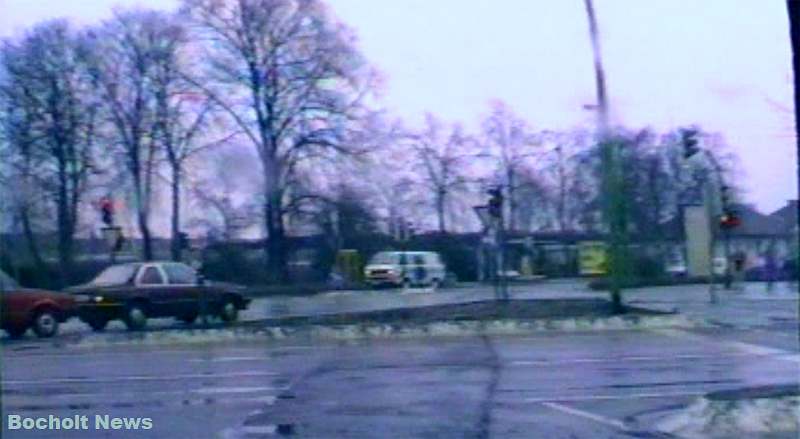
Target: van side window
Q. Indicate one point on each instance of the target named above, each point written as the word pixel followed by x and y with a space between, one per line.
pixel 419 260
pixel 403 259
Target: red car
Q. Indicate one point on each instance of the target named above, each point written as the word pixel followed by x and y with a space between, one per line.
pixel 40 310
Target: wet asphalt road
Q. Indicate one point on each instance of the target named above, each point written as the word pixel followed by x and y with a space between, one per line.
pixel 557 385
pixel 553 385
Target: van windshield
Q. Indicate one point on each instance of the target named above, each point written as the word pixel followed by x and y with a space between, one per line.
pixel 384 258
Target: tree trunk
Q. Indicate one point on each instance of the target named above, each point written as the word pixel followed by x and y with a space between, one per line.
pixel 141 216
pixel 440 207
pixel 30 237
pixel 176 212
pixel 512 201
pixel 562 192
pixel 144 229
pixel 277 261
pixel 64 227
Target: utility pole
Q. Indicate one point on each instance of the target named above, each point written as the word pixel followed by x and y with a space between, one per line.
pixel 614 201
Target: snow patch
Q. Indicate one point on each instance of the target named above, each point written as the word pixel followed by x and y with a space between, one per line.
pixel 711 419
pixel 395 330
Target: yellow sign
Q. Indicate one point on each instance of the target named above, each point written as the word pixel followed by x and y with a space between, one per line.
pixel 350 265
pixel 592 258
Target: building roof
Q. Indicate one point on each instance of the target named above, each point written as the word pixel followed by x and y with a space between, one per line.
pixel 788 215
pixel 755 223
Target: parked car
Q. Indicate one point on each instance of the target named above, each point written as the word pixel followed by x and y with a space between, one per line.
pixel 40 310
pixel 405 268
pixel 134 292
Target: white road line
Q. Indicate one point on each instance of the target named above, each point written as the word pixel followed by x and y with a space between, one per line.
pixel 631 359
pixel 139 378
pixel 259 429
pixel 257 401
pixel 234 390
pixel 747 348
pixel 248 430
pixel 591 416
pixel 146 392
pixel 229 359
pixel 9 353
pixel 582 398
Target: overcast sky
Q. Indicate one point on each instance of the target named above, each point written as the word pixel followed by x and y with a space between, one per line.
pixel 723 64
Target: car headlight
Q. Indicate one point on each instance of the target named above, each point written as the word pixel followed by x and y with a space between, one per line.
pixel 98 298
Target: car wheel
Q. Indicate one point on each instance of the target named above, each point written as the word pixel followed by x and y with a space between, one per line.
pixel 228 312
pixel 45 323
pixel 188 318
pixel 135 316
pixel 97 325
pixel 16 332
pixel 436 284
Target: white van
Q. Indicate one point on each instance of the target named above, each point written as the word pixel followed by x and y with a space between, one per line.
pixel 405 269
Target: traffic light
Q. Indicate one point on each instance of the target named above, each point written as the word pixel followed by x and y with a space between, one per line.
pixel 729 220
pixel 107 211
pixel 496 202
pixel 689 142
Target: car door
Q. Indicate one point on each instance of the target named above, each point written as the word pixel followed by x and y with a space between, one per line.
pixel 402 261
pixel 419 272
pixel 151 284
pixel 183 288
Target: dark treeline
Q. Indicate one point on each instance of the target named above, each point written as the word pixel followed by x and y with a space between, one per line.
pixel 258 118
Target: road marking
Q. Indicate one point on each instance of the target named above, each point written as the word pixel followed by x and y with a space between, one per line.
pixel 248 430
pixel 611 397
pixel 583 414
pixel 140 378
pixel 229 359
pixel 14 404
pixel 234 390
pixel 624 359
pixel 748 348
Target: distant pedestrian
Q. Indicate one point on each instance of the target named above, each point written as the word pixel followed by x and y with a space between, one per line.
pixel 770 268
pixel 739 262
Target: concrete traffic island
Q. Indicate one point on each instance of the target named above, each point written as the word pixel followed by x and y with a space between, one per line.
pixel 513 317
pixel 768 411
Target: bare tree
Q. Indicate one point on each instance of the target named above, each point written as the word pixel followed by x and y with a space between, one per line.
pixel 292 82
pixel 508 141
pixel 571 188
pixel 52 118
pixel 126 52
pixel 442 156
pixel 183 118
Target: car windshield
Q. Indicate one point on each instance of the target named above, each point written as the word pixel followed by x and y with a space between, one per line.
pixel 116 275
pixel 7 282
pixel 384 258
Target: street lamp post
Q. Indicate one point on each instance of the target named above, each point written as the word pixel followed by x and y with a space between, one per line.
pixel 612 174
